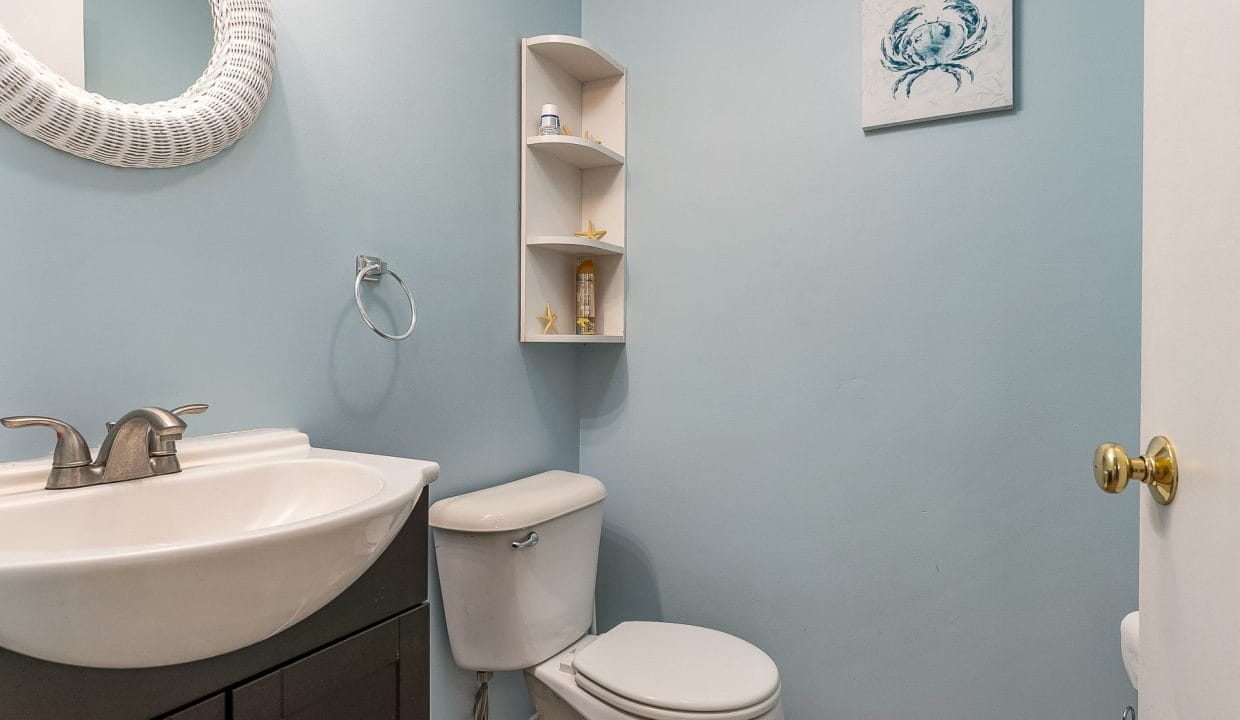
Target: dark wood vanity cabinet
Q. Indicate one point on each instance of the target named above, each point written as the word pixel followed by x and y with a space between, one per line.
pixel 378 673
pixel 365 656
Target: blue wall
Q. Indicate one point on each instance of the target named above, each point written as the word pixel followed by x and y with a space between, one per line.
pixel 865 374
pixel 390 131
pixel 858 433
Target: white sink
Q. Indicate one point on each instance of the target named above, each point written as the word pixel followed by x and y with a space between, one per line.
pixel 1130 645
pixel 257 532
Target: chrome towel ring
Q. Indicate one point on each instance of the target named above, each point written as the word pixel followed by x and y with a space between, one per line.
pixel 371 270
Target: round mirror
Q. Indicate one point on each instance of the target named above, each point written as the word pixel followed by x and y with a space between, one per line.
pixel 94 77
pixel 143 51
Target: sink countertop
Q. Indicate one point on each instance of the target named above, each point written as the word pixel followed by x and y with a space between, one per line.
pixel 241 446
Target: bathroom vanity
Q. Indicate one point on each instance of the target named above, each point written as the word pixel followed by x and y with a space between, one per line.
pixel 262 579
pixel 364 655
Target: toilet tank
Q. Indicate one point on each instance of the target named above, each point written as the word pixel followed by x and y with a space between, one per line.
pixel 510 608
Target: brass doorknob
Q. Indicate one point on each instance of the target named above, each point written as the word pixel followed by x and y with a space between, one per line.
pixel 1157 468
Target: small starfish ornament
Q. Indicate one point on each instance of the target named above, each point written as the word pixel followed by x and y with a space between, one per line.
pixel 565 131
pixel 586 136
pixel 548 321
pixel 591 233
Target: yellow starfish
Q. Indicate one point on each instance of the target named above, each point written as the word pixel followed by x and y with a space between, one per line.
pixel 591 233
pixel 548 321
pixel 565 131
pixel 586 136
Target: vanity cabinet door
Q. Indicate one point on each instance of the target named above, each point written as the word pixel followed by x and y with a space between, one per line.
pixel 213 708
pixel 377 674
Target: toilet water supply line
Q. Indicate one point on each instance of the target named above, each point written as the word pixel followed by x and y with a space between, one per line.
pixel 482 708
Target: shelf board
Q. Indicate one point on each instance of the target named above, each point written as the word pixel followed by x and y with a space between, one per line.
pixel 580 58
pixel 584 339
pixel 575 151
pixel 573 245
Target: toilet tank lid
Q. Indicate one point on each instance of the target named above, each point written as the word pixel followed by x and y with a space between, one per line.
pixel 518 504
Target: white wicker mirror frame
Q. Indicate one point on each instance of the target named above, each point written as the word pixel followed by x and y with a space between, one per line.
pixel 211 115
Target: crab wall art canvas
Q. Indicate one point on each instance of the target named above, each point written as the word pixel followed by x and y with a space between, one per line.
pixel 929 59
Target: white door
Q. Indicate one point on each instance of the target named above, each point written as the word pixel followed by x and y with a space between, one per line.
pixel 1190 360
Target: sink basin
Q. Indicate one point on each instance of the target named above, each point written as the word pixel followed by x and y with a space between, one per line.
pixel 1130 644
pixel 257 532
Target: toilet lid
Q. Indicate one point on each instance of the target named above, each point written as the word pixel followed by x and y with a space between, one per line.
pixel 678 667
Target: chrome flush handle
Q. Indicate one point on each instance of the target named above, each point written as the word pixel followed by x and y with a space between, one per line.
pixel 528 542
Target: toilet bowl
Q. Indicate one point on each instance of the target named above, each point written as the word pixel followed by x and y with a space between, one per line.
pixel 517 567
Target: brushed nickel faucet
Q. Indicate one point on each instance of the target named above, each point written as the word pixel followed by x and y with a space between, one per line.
pixel 141 444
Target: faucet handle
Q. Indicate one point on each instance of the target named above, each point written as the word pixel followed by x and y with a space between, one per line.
pixel 71 448
pixel 164 447
pixel 195 409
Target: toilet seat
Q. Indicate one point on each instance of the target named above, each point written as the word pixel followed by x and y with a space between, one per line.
pixel 648 712
pixel 664 671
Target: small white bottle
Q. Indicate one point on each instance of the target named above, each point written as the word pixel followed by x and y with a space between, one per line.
pixel 549 124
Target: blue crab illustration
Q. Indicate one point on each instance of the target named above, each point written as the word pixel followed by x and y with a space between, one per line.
pixel 915 49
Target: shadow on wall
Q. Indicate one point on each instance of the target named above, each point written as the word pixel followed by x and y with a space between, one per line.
pixel 627 589
pixel 363 374
pixel 549 389
pixel 604 387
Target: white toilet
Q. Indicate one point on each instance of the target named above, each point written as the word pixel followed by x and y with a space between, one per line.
pixel 517 565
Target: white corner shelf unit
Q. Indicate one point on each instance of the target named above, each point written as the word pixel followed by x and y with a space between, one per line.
pixel 567 182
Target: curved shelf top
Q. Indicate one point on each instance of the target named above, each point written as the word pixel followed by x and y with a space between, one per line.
pixel 576 151
pixel 583 339
pixel 573 245
pixel 580 58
